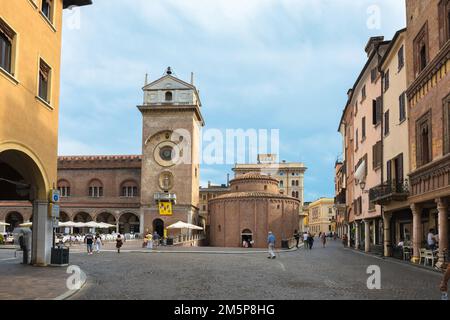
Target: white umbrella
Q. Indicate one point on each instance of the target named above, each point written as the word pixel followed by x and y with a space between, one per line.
pixel 69 224
pixel 184 225
pixel 79 224
pixel 103 225
pixel 4 224
pixel 26 225
pixel 92 224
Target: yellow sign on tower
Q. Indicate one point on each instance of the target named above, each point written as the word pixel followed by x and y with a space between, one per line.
pixel 165 208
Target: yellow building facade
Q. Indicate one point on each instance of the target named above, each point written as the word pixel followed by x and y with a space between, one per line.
pixel 321 214
pixel 30 60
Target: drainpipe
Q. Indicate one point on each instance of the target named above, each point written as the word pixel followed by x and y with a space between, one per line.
pixel 382 135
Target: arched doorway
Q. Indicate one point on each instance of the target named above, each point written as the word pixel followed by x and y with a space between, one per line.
pixel 129 223
pixel 63 217
pixel 22 178
pixel 14 219
pixel 247 237
pixel 158 226
pixel 82 217
pixel 108 218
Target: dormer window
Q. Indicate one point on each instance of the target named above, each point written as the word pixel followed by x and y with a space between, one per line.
pixel 169 96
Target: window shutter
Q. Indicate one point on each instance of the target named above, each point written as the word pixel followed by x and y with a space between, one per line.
pixel 379 109
pixel 44 69
pixel 389 171
pixel 400 169
pixel 7 31
pixel 374 112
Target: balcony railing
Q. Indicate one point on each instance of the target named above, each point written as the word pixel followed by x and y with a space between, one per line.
pixel 340 198
pixel 389 191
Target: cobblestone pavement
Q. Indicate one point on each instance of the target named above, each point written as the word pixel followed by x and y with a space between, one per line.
pixel 19 282
pixel 330 273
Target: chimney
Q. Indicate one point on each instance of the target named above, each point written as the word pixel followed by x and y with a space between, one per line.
pixel 372 44
pixel 192 78
pixel 228 179
pixel 146 79
pixel 349 93
pixel 209 184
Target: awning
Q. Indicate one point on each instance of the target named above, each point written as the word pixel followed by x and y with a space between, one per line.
pixel 360 173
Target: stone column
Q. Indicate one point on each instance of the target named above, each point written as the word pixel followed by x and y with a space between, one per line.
pixel 387 234
pixel 357 234
pixel 117 226
pixel 367 235
pixel 42 237
pixel 442 206
pixel 349 233
pixel 141 222
pixel 417 231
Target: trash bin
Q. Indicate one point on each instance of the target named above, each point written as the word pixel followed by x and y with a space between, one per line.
pixel 285 244
pixel 60 257
pixel 170 241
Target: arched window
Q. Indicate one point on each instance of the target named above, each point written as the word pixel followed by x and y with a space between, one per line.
pixel 169 96
pixel 95 189
pixel 129 189
pixel 64 188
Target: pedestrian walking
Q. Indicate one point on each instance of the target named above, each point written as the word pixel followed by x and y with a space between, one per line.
pixel 310 241
pixel 297 238
pixel 149 241
pixel 89 243
pixel 345 240
pixel 323 237
pixel 119 243
pixel 305 240
pixel 98 243
pixel 271 243
pixel 156 238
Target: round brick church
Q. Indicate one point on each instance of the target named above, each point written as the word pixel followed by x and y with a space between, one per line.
pixel 252 209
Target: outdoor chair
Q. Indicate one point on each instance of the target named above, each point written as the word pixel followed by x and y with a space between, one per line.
pixel 406 253
pixel 430 256
pixel 422 255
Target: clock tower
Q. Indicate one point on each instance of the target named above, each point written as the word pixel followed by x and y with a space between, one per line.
pixel 170 174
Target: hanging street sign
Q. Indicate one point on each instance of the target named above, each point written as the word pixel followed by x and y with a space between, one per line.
pixel 165 208
pixel 55 196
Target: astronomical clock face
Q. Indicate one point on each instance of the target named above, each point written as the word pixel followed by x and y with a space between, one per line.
pixel 166 154
pixel 167 149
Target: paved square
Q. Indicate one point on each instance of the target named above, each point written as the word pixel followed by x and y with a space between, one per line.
pixel 323 273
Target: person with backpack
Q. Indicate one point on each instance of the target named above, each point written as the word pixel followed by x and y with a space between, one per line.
pixel 119 243
pixel 310 240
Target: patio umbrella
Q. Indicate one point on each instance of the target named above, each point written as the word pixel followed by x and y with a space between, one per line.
pixel 184 225
pixel 68 224
pixel 4 224
pixel 92 224
pixel 103 225
pixel 26 225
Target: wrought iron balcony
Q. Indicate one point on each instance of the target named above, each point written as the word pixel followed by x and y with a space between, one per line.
pixel 340 198
pixel 389 191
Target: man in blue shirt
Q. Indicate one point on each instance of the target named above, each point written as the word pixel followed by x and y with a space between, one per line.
pixel 271 243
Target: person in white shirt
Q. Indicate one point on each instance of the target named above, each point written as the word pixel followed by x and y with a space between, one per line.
pixel 305 240
pixel 431 240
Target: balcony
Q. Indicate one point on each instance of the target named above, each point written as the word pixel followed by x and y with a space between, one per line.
pixel 389 191
pixel 340 199
pixel 433 179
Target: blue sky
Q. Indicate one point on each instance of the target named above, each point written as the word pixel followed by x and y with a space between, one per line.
pixel 261 64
